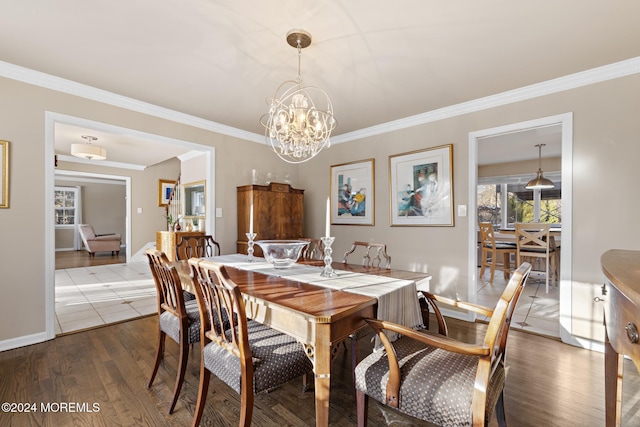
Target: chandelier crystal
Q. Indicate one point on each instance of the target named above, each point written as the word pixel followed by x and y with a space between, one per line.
pixel 300 119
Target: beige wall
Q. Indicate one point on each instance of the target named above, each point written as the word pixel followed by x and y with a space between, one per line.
pixel 605 157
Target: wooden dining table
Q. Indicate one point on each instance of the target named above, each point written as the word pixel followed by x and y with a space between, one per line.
pixel 317 317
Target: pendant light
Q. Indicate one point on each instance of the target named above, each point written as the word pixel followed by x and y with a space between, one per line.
pixel 300 118
pixel 539 182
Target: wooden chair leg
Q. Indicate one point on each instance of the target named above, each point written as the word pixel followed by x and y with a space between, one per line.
pixel 354 360
pixel 159 357
pixel 203 389
pixel 362 407
pixel 493 266
pixel 182 368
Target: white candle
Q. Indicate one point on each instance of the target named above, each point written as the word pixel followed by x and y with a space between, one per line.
pixel 251 220
pixel 327 234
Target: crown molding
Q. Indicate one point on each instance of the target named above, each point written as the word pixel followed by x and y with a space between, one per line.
pixel 106 163
pixel 58 84
pixel 572 81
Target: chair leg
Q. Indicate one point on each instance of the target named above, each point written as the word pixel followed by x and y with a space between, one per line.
pixel 159 356
pixel 500 414
pixel 182 368
pixel 203 389
pixel 493 266
pixel 362 406
pixel 354 360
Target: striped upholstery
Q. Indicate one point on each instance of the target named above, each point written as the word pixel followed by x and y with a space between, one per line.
pixel 435 386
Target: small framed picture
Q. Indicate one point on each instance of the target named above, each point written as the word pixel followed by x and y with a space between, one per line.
pixel 165 188
pixel 422 187
pixel 352 193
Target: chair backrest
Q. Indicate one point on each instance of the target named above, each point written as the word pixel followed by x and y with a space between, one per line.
pixel 86 233
pixel 487 236
pixel 220 303
pixel 168 284
pixel 314 250
pixel 197 247
pixel 532 239
pixel 368 260
pixel 498 329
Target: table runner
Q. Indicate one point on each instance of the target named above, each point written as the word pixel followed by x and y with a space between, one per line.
pixel 397 301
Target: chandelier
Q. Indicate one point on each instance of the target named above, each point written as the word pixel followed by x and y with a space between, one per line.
pixel 88 151
pixel 539 182
pixel 300 119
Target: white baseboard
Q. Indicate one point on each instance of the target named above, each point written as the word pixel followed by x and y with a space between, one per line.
pixel 23 341
pixel 140 256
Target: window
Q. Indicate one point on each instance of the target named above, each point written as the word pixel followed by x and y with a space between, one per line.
pixel 503 201
pixel 66 201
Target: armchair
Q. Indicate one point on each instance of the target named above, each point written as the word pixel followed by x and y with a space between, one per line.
pixel 99 242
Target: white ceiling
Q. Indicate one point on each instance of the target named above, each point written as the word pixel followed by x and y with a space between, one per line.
pixel 379 60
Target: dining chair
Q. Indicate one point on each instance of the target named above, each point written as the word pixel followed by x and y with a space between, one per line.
pixel 314 251
pixel 492 251
pixel 439 379
pixel 249 357
pixel 197 246
pixel 380 252
pixel 367 259
pixel 534 241
pixel 178 319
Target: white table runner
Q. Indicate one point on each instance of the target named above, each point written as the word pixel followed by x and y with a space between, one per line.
pixel 397 300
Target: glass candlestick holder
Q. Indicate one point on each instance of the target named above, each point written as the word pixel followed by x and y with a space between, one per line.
pixel 251 237
pixel 327 271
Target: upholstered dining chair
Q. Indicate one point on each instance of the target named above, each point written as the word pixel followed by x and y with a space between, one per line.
pixel 249 357
pixel 367 259
pixel 493 250
pixel 533 240
pixel 439 379
pixel 197 246
pixel 177 319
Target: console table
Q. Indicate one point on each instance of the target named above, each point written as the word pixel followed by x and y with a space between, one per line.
pixel 622 320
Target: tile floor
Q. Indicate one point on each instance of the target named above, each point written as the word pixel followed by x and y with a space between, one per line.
pixel 92 296
pixel 536 311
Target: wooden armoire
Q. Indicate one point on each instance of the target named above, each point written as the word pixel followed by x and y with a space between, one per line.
pixel 278 212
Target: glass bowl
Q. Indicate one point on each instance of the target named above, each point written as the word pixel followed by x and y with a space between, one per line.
pixel 282 253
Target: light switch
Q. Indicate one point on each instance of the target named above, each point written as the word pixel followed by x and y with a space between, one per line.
pixel 139 210
pixel 218 212
pixel 462 210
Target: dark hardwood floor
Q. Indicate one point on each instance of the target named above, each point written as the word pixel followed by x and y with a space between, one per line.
pixel 548 384
pixel 73 259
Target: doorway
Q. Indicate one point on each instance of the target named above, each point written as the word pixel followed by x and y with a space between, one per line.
pixel 51 120
pixel 508 136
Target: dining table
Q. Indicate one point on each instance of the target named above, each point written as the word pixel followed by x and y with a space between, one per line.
pixel 319 312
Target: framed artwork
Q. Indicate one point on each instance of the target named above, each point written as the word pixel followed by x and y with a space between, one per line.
pixel 422 187
pixel 352 193
pixel 165 188
pixel 4 174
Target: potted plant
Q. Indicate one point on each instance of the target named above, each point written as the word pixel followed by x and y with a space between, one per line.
pixel 195 223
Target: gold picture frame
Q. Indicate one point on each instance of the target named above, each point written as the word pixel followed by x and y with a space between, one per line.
pixel 4 174
pixel 165 188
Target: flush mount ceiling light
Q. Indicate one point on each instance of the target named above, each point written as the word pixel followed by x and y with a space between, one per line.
pixel 88 151
pixel 539 181
pixel 298 126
